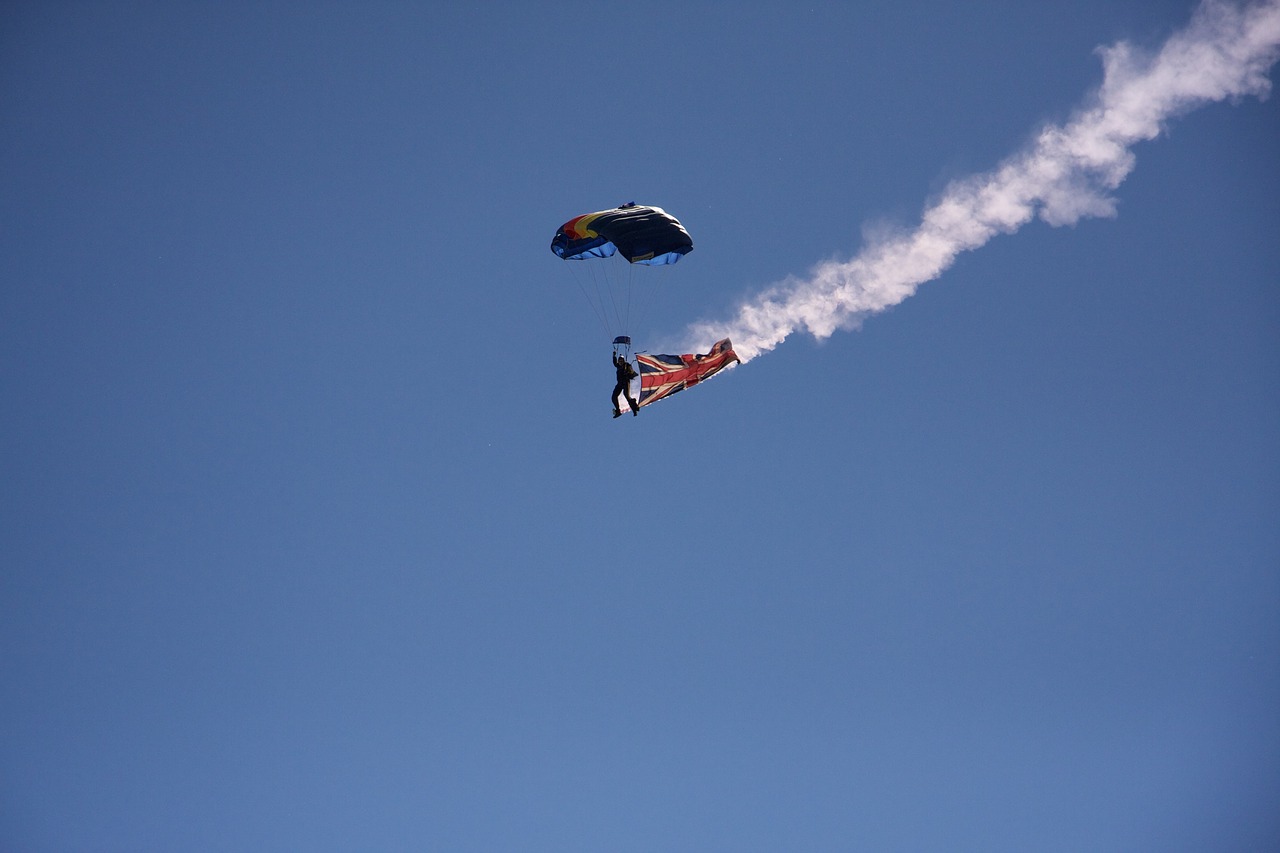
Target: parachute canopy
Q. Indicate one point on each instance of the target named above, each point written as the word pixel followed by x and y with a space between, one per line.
pixel 643 235
pixel 664 375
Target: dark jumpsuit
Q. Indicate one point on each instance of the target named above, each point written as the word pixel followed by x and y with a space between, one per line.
pixel 625 374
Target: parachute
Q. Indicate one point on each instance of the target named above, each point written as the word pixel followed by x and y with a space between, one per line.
pixel 641 235
pixel 664 375
pixel 644 235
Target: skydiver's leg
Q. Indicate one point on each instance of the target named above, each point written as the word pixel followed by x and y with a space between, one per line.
pixel 635 407
pixel 617 389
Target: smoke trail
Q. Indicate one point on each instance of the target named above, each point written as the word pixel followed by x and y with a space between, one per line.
pixel 1066 174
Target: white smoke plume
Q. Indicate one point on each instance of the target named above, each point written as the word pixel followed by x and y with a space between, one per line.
pixel 1226 51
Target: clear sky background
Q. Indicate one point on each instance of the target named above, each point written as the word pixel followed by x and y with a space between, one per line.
pixel 316 533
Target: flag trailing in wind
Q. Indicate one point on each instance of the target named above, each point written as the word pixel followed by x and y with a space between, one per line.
pixel 664 375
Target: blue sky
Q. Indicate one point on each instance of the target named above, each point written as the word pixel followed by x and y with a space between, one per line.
pixel 316 532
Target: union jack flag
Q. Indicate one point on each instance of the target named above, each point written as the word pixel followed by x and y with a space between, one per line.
pixel 664 375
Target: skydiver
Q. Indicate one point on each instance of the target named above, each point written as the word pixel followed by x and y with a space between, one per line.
pixel 625 374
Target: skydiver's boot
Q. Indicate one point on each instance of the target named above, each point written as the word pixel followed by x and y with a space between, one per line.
pixel 617 413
